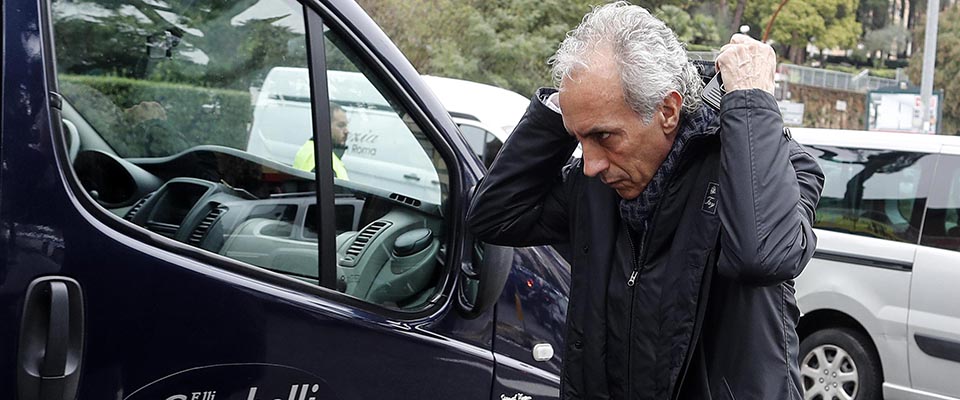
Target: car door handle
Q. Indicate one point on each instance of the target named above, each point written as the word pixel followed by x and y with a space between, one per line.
pixel 51 340
pixel 412 177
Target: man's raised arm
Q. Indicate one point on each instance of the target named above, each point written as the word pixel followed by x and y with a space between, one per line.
pixel 769 186
pixel 522 201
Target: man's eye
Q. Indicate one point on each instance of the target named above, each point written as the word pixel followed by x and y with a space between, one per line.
pixel 604 136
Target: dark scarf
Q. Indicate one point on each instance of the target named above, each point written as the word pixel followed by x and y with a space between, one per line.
pixel 637 212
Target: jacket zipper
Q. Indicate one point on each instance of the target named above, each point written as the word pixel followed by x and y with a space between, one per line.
pixel 636 266
pixel 637 262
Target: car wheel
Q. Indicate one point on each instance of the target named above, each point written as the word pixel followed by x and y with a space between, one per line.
pixel 839 364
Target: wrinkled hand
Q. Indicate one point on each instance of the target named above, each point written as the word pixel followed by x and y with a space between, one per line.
pixel 747 64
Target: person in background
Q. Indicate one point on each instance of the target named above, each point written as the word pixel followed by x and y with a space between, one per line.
pixel 305 159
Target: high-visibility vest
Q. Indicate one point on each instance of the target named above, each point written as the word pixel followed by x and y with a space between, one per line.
pixel 306 161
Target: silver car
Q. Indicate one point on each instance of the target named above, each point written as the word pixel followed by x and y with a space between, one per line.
pixel 881 298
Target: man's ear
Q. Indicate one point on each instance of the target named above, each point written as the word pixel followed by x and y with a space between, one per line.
pixel 670 110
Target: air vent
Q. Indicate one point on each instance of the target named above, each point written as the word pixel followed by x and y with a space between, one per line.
pixel 362 240
pixel 136 207
pixel 203 227
pixel 405 200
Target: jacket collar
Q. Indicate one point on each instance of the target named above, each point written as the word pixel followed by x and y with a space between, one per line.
pixel 702 122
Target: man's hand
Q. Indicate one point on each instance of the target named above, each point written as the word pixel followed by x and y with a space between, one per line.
pixel 747 64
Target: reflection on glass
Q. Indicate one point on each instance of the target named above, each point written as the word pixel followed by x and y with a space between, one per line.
pixel 875 193
pixel 156 78
pixel 941 227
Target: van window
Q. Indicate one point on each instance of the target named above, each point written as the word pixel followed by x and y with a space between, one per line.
pixel 475 138
pixel 394 256
pixel 483 143
pixel 873 193
pixel 154 80
pixel 941 228
pixel 196 123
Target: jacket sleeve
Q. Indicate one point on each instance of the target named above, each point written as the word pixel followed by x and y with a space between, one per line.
pixel 522 201
pixel 769 189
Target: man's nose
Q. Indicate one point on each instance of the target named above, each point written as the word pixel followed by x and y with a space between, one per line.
pixel 593 163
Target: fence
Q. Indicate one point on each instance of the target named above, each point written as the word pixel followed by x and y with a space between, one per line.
pixel 817 77
pixel 833 79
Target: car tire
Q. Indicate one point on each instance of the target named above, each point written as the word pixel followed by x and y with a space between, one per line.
pixel 836 359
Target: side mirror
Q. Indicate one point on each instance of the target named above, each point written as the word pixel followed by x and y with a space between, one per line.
pixel 482 279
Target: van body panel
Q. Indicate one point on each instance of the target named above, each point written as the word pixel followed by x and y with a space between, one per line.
pixel 934 333
pixel 873 140
pixel 895 287
pixel 876 298
pixel 935 315
pixel 161 323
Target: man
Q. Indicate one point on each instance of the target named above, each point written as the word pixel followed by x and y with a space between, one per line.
pixel 687 225
pixel 305 159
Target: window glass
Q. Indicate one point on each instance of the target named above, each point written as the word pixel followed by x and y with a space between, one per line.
pixel 476 138
pixel 392 256
pixel 156 79
pixel 492 149
pixel 484 144
pixel 940 225
pixel 195 122
pixel 874 193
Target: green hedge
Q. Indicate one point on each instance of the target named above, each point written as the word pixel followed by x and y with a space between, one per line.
pixel 141 118
pixel 878 72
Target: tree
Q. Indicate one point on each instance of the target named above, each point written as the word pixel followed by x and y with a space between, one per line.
pixel 873 14
pixel 678 20
pixel 823 23
pixel 947 67
pixel 705 30
pixel 500 42
pixel 883 41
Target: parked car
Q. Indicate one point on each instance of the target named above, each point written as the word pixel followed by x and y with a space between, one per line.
pixel 879 299
pixel 146 254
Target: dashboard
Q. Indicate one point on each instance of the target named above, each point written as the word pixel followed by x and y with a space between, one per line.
pixel 263 213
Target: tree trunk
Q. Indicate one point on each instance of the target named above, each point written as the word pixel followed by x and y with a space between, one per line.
pixel 723 13
pixel 797 54
pixel 738 15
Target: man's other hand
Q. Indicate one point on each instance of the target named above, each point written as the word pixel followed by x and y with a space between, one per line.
pixel 747 64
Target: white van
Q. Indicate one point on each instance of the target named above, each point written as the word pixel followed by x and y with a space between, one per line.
pixel 485 114
pixel 379 139
pixel 881 297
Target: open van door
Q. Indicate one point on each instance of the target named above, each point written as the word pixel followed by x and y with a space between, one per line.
pixel 159 260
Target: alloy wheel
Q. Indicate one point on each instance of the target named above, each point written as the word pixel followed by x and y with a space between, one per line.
pixel 829 373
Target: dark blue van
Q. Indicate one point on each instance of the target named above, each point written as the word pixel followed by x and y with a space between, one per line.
pixel 147 254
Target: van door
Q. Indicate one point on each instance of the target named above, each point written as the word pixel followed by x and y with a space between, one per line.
pixel 934 321
pixel 161 261
pixel 530 328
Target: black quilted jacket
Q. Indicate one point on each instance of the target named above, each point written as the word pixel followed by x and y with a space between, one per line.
pixel 712 313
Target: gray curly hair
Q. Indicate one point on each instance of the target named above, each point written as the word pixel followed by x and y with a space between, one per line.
pixel 651 60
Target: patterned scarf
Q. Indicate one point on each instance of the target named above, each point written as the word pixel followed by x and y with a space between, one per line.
pixel 636 212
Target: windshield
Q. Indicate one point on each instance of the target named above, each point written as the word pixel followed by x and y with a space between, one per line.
pixel 175 74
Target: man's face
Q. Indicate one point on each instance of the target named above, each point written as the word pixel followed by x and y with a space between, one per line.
pixel 338 127
pixel 617 145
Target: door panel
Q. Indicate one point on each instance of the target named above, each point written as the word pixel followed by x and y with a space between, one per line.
pixel 934 322
pixel 532 311
pixel 175 321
